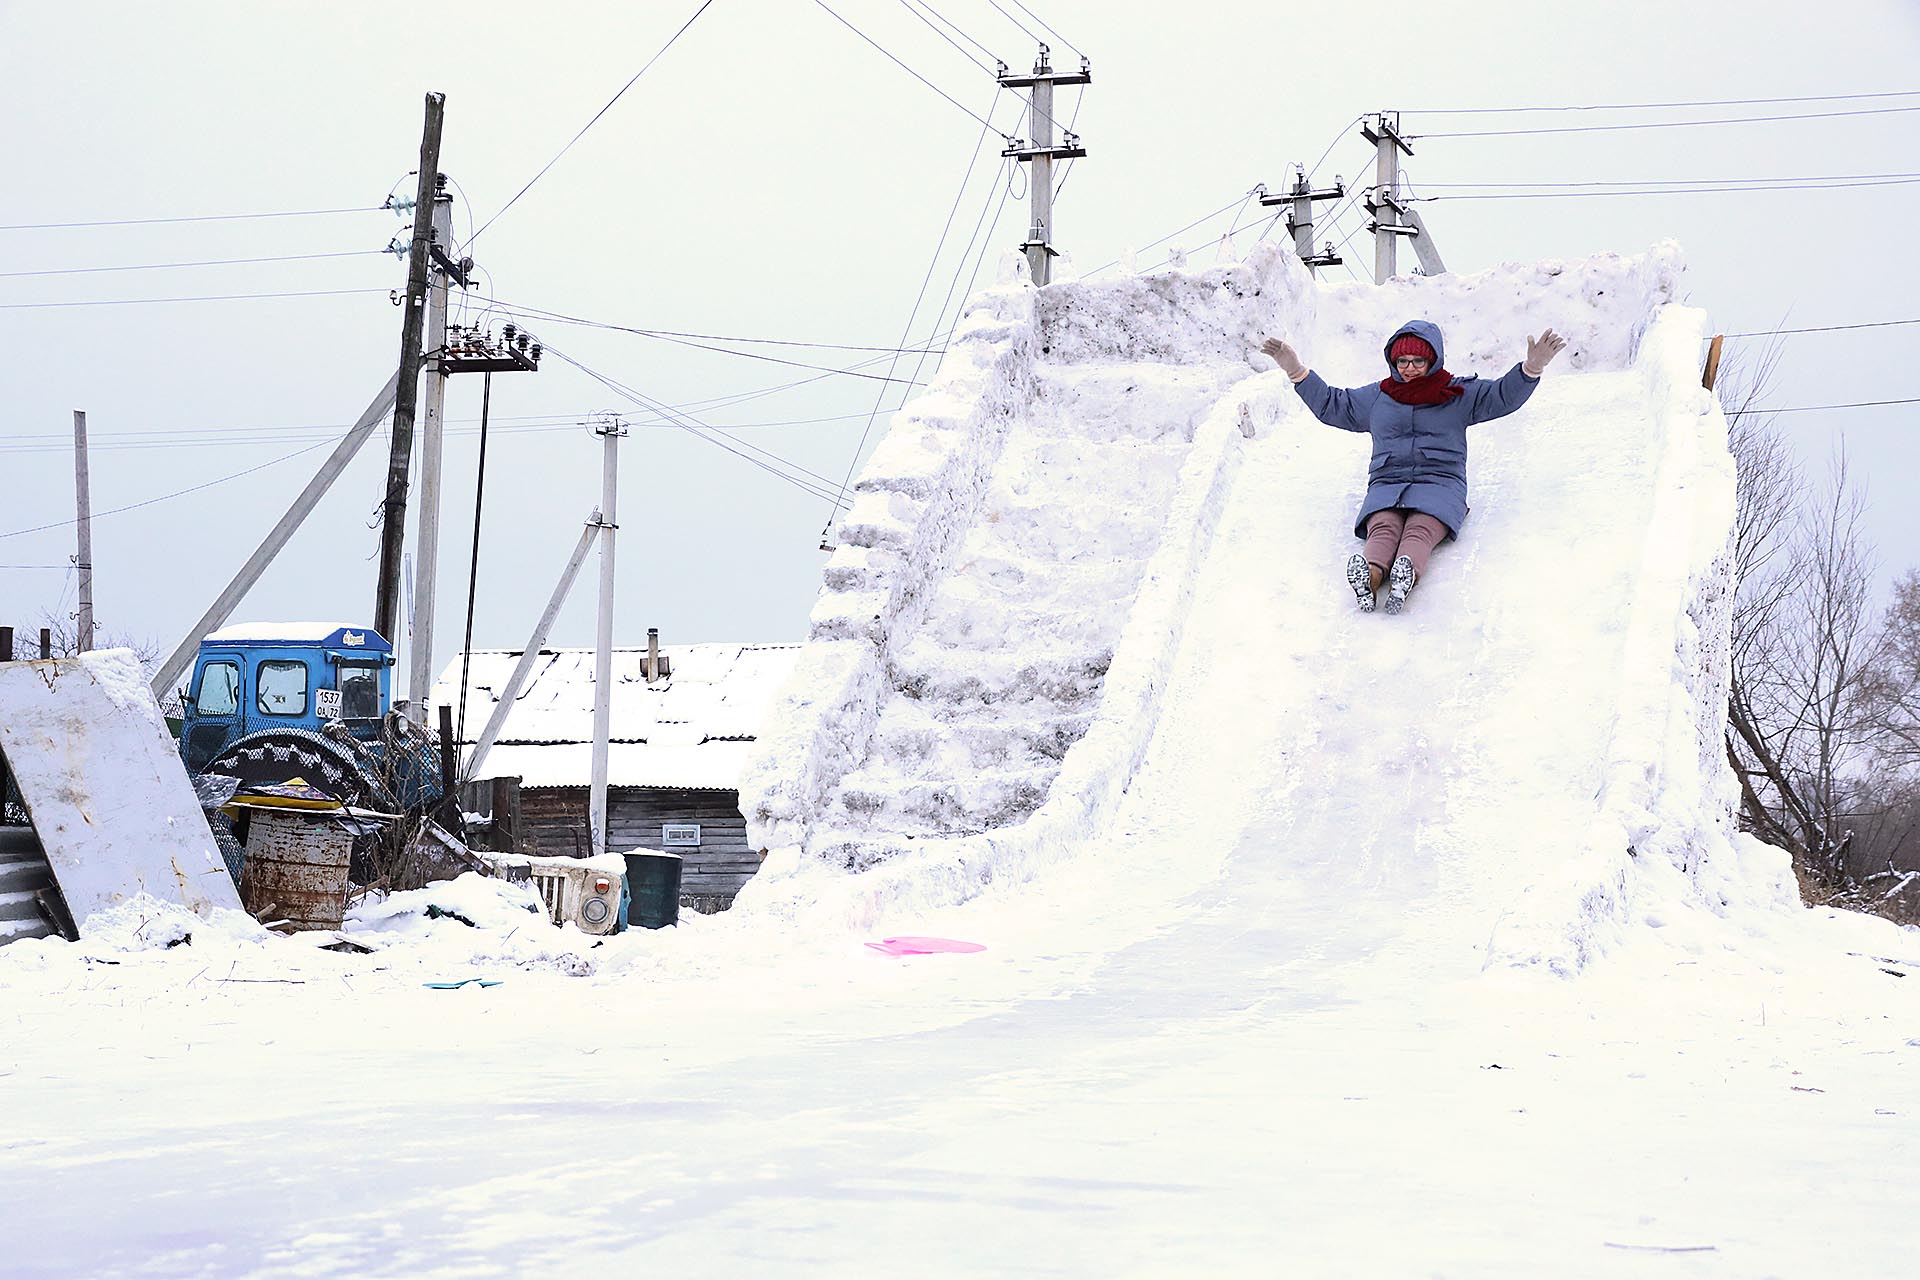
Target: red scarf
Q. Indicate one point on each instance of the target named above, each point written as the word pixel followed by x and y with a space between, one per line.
pixel 1435 388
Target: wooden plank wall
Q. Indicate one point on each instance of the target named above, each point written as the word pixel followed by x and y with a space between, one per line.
pixel 555 819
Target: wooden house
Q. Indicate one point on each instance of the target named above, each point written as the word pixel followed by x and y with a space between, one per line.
pixel 677 744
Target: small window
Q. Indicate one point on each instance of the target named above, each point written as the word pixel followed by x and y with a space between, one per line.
pixel 283 688
pixel 359 692
pixel 219 689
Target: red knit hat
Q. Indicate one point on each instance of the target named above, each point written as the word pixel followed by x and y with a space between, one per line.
pixel 1408 345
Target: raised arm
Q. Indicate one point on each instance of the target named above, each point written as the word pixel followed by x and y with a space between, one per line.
pixel 1499 398
pixel 1331 405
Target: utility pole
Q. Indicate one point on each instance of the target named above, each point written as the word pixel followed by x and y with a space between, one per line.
pixel 1300 215
pixel 420 648
pixel 609 432
pixel 393 518
pixel 1392 216
pixel 83 632
pixel 181 658
pixel 1041 155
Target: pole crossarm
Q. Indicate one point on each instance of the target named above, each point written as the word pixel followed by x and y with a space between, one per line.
pixel 1300 201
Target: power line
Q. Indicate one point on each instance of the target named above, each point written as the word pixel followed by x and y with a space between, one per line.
pixel 1236 203
pixel 908 6
pixel 166 497
pixel 962 34
pixel 699 430
pixel 560 318
pixel 1651 182
pixel 1025 29
pixel 1652 106
pixel 222 437
pixel 205 217
pixel 1665 124
pixel 1857 404
pixel 906 330
pixel 1331 145
pixel 589 124
pixel 1666 191
pixel 209 262
pixel 1044 27
pixel 1821 328
pixel 208 297
pixel 904 67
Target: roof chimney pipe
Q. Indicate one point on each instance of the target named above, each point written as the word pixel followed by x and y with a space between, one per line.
pixel 653 654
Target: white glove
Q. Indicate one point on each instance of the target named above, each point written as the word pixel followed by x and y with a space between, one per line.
pixel 1541 351
pixel 1284 356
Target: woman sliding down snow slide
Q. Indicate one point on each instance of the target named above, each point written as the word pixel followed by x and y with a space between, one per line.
pixel 1418 417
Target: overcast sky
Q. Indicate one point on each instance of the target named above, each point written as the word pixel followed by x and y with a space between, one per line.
pixel 775 176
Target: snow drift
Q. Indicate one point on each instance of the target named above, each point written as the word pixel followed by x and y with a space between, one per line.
pixel 988 659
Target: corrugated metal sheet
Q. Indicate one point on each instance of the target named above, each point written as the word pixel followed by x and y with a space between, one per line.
pixel 713 766
pixel 694 729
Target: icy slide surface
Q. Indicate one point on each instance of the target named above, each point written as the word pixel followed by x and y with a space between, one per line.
pixel 991 649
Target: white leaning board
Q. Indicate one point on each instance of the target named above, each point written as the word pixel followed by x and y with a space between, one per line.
pixel 104 785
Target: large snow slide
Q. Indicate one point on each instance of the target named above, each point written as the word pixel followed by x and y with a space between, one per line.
pixel 989 657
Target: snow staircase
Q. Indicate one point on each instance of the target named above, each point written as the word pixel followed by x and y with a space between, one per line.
pixel 1002 674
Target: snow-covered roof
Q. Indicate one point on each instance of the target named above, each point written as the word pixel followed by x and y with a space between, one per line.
pixel 332 635
pixel 693 729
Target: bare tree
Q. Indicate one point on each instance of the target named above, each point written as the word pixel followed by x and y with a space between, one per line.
pixel 1894 692
pixel 1805 709
pixel 1768 571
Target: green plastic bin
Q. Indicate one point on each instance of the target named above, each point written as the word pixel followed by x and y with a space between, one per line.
pixel 653 888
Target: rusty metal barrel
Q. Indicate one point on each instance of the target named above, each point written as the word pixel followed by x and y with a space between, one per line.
pixel 296 870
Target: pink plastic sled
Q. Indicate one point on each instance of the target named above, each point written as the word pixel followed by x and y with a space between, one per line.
pixel 924 946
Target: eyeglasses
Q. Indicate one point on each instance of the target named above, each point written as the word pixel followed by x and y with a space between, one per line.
pixel 1405 361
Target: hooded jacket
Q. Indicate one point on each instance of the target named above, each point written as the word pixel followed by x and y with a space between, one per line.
pixel 1419 451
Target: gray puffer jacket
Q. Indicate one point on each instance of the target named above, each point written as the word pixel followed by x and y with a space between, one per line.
pixel 1419 451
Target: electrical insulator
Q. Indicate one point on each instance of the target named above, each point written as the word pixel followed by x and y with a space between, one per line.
pixel 510 330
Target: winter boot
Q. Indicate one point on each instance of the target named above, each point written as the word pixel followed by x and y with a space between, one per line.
pixel 1399 584
pixel 1360 578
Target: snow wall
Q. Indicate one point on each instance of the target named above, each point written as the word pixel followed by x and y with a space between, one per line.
pixel 986 665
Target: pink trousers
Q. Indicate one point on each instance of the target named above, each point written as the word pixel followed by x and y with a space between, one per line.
pixel 1400 532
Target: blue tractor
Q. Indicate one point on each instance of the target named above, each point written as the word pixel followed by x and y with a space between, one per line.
pixel 271 702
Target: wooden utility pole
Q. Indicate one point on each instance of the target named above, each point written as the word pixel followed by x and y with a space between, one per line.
pixel 1392 216
pixel 393 510
pixel 1300 215
pixel 1041 155
pixel 83 502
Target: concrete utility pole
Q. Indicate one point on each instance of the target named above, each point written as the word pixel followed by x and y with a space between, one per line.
pixel 609 433
pixel 1300 215
pixel 182 657
pixel 393 519
pixel 1392 216
pixel 83 632
pixel 1042 154
pixel 420 668
pixel 535 642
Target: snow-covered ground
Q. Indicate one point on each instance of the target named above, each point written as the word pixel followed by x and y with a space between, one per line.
pixel 1404 946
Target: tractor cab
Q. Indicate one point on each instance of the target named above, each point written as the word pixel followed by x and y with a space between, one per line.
pixel 283 675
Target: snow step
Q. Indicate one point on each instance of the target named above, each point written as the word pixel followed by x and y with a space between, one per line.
pixel 980 801
pixel 1068 679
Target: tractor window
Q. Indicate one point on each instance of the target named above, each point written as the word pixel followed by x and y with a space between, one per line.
pixel 359 692
pixel 219 689
pixel 283 688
